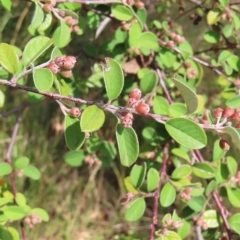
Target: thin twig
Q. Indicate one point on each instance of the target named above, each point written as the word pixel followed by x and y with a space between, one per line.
pixel 162 175
pixel 9 161
pixel 17 109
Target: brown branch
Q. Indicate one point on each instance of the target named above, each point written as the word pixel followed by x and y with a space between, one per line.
pixel 217 199
pixel 223 212
pixel 9 161
pixel 15 110
pixel 162 175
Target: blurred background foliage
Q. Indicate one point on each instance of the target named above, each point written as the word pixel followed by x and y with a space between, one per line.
pixel 83 203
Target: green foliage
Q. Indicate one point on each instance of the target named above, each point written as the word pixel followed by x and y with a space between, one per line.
pixel 182 148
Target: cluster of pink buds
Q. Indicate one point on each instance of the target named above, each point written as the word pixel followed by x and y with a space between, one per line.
pixel 63 65
pixel 134 101
pixel 75 112
pixel 186 194
pixel 49 5
pixel 32 220
pixel 170 224
pixel 200 222
pixel 176 39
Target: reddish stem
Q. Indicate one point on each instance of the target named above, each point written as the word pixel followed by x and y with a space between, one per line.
pixel 162 174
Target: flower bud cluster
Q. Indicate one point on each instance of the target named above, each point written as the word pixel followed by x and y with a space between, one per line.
pixel 32 220
pixel 63 65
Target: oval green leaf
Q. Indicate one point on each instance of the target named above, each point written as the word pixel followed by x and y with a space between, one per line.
pixel 196 203
pixel 43 79
pixel 189 96
pixel 160 106
pixel 113 78
pixel 92 119
pixel 21 162
pixel 135 210
pixel 127 144
pixel 180 153
pixel 234 222
pixel 182 171
pixel 74 137
pixel 9 58
pixel 148 40
pixel 211 36
pixel 137 175
pixel 122 12
pixel 38 17
pixel 233 196
pixel 14 212
pixel 152 179
pixel 148 82
pixel 41 212
pixel 232 166
pixel 62 35
pixel 31 172
pixel 177 110
pixel 203 170
pixel 20 200
pixel 74 159
pixel 5 169
pixel 211 218
pixel 35 48
pixel 186 132
pixel 233 102
pixel 234 135
pixel 213 16
pixel 167 195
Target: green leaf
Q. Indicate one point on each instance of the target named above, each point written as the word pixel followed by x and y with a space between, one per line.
pixel 4 201
pixel 134 33
pixel 9 58
pixel 74 137
pixel 224 55
pixel 14 212
pixel 43 79
pixel 142 14
pixel 38 17
pixel 41 212
pixel 128 185
pixel 2 99
pixel 186 132
pixel 189 96
pixel 232 165
pixel 7 4
pixel 20 200
pixel 138 174
pixel 210 187
pixel 35 48
pixel 113 78
pixel 148 40
pixel 196 203
pixel 234 62
pixel 234 222
pixel 148 82
pixel 160 106
pixel 227 30
pixel 185 230
pixel 212 36
pixel 223 3
pixel 203 170
pixel 177 110
pixel 233 102
pixel 31 172
pixel 167 195
pixel 152 179
pixel 9 233
pixel 186 49
pixel 236 21
pixel 127 144
pixel 92 119
pixel 5 169
pixel 234 135
pixel 218 153
pixel 21 162
pixel 233 196
pixel 74 159
pixel 63 87
pixel 213 16
pixel 135 210
pixel 70 13
pixel 121 12
pixel 56 52
pixel 62 35
pixel 182 171
pixel 211 218
pixel 45 24
pixel 180 153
